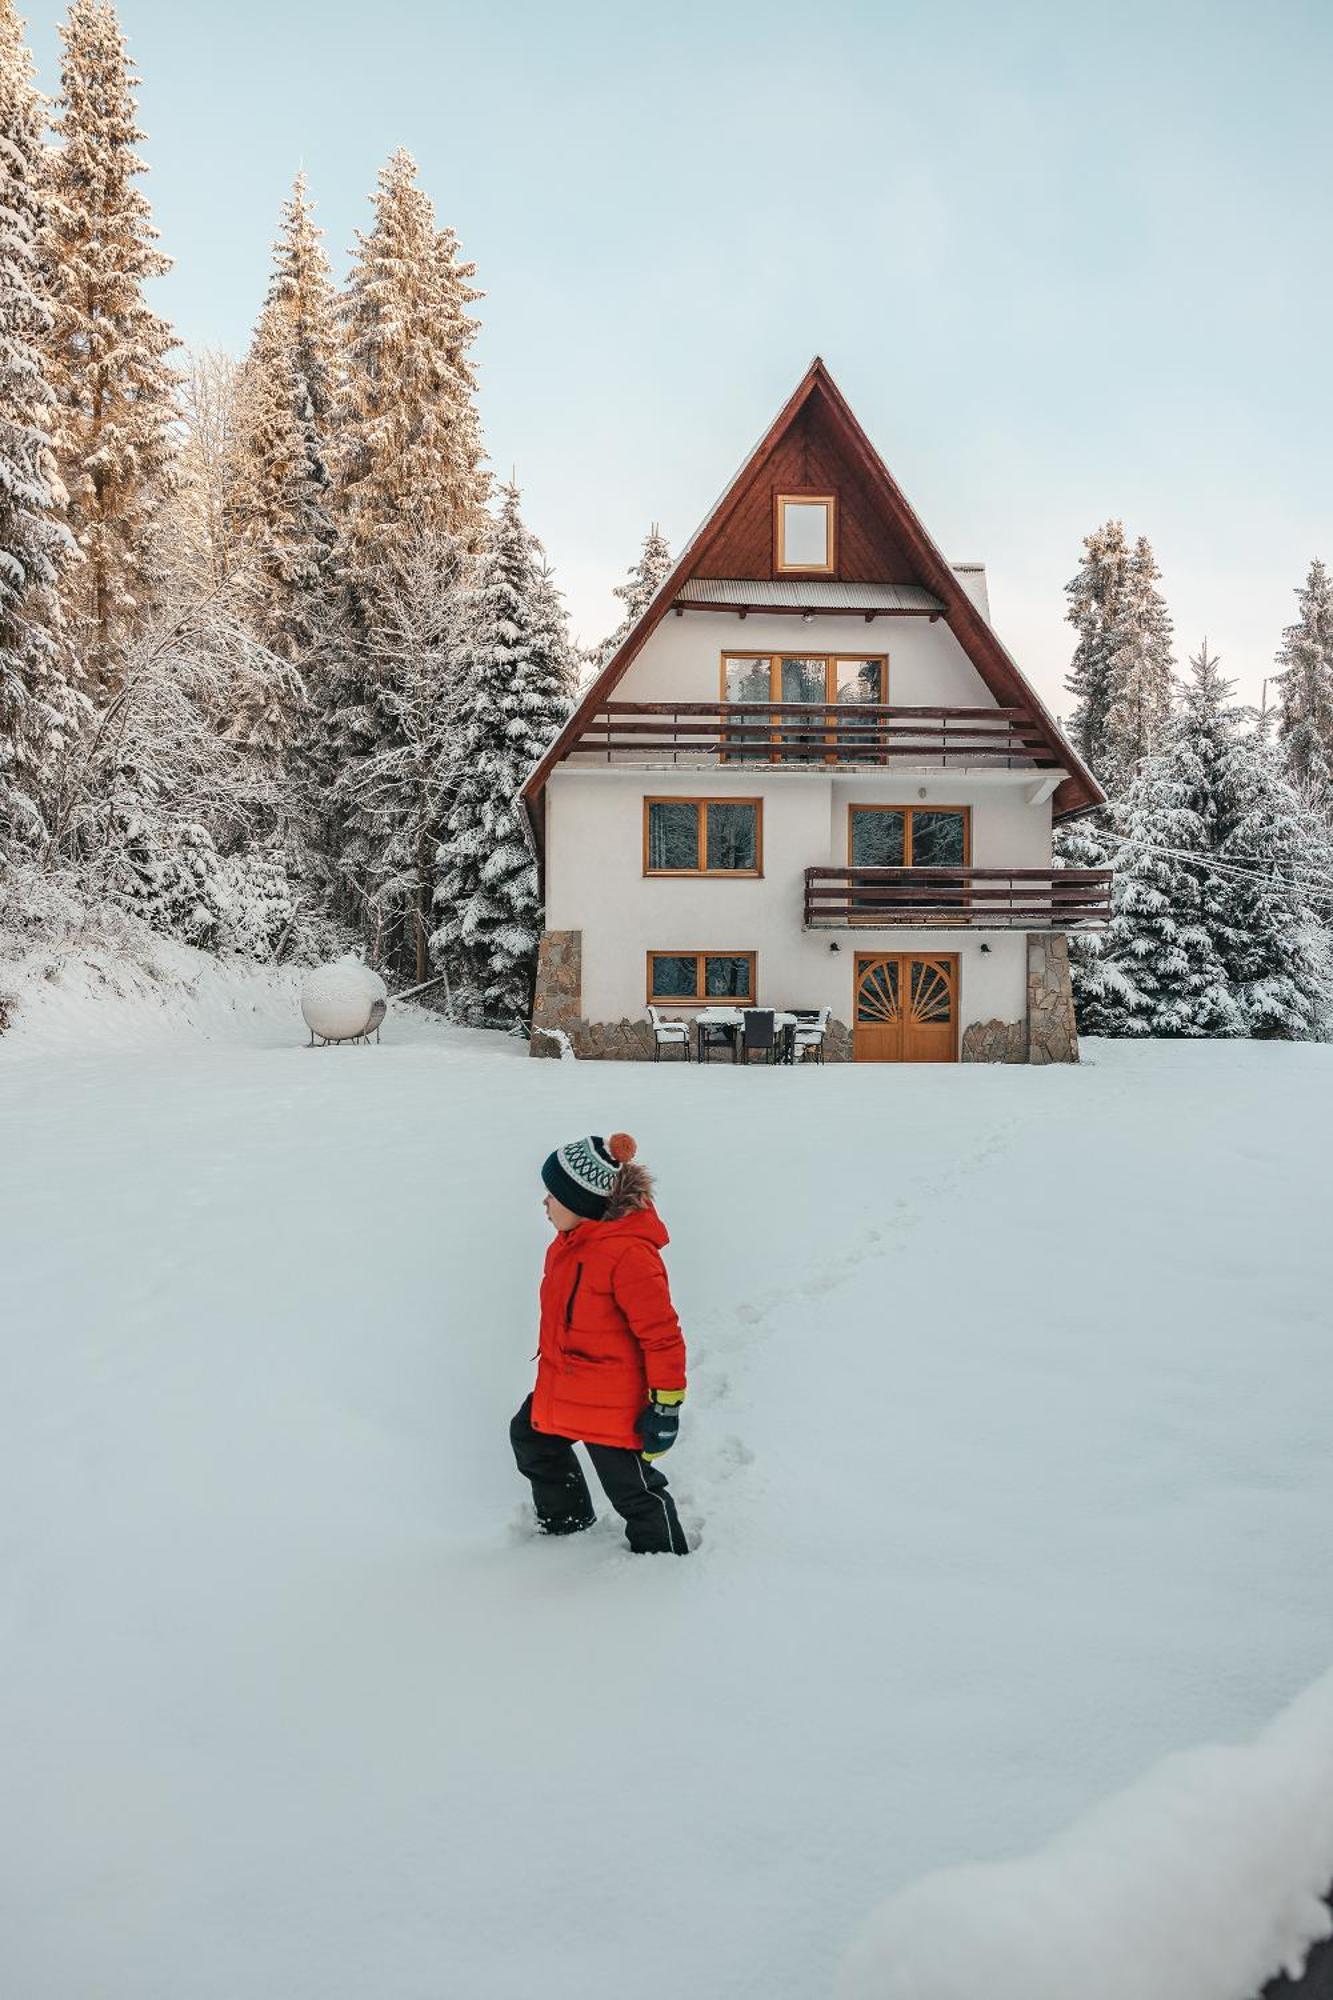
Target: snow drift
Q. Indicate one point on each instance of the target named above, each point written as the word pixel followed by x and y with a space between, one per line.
pixel 1200 1882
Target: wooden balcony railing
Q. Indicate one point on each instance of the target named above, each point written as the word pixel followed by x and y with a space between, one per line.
pixel 763 732
pixel 991 899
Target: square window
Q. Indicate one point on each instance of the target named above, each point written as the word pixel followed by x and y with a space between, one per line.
pixel 674 976
pixel 727 977
pixel 747 677
pixel 805 531
pixel 939 839
pixel 878 838
pixel 673 836
pixel 859 683
pixel 733 838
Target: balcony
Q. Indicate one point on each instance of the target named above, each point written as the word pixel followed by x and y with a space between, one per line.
pixel 690 733
pixel 984 899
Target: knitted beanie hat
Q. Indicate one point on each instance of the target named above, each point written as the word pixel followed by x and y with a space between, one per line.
pixel 582 1174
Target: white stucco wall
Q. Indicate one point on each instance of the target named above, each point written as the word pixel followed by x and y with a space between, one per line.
pixel 682 659
pixel 595 884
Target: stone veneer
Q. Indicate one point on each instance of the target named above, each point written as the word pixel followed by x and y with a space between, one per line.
pixel 1052 1029
pixel 995 1042
pixel 1049 1034
pixel 559 991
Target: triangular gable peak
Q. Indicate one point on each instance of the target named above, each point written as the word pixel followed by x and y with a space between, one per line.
pixel 816 446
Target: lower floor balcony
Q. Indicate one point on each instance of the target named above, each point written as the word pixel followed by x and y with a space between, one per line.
pixel 996 899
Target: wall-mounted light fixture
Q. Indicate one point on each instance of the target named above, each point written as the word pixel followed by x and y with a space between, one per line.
pixel 835 946
pixel 985 948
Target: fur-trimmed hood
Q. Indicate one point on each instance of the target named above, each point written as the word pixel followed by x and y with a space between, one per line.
pixel 632 1191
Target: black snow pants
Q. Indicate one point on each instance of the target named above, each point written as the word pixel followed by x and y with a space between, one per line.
pixel 637 1490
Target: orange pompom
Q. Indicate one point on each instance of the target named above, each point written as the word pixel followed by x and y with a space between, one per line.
pixel 621 1148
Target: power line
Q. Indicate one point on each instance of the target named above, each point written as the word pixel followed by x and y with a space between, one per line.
pixel 1318 887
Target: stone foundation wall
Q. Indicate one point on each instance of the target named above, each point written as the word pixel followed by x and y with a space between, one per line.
pixel 1049 1034
pixel 558 997
pixel 616 1041
pixel 837 1042
pixel 995 1042
pixel 1052 1030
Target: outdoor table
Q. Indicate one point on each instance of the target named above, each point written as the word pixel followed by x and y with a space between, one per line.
pixel 733 1017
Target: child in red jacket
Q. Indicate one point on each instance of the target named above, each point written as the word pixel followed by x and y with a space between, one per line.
pixel 610 1357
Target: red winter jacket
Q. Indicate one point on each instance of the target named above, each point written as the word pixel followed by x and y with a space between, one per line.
pixel 609 1331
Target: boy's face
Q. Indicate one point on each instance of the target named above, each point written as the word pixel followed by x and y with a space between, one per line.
pixel 559 1216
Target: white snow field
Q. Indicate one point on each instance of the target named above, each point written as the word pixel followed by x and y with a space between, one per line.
pixel 1009 1440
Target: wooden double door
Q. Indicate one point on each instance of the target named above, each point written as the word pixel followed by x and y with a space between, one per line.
pixel 905 1007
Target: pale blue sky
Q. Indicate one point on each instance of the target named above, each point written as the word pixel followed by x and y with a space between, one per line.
pixel 1065 261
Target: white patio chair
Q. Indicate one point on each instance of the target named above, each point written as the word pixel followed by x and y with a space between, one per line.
pixel 668 1034
pixel 808 1042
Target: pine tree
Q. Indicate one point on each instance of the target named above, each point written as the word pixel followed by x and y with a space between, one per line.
pixel 1140 668
pixel 1214 929
pixel 281 496
pixel 41 705
pixel 411 450
pixel 1305 684
pixel 640 587
pixel 410 489
pixel 114 389
pixel 1157 969
pixel 391 754
pixel 514 680
pixel 1273 862
pixel 1094 608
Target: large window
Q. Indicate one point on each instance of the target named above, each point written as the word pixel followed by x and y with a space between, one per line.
pixel 694 978
pixel 702 837
pixel 845 681
pixel 908 837
pixel 805 532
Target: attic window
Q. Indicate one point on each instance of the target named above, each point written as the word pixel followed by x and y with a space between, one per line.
pixel 805 531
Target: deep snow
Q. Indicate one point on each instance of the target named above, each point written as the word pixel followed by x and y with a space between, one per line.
pixel 1007 1439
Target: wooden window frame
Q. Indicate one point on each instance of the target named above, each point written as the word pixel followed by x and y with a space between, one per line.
pixel 908 812
pixel 803 498
pixel 704 872
pixel 701 999
pixel 775 657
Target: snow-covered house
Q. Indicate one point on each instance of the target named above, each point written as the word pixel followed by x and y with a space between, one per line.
pixel 812 777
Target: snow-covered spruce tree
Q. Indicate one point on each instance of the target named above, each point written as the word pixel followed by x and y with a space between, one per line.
pixel 114 388
pixel 1141 669
pixel 1273 860
pixel 1305 685
pixel 175 811
pixel 42 708
pixel 1158 968
pixel 410 450
pixel 196 545
pixel 409 472
pixel 640 587
pixel 1219 871
pixel 281 493
pixel 1094 607
pixel 390 800
pixel 514 684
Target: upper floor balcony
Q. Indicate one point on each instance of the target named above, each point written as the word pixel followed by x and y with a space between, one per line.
pixel 994 899
pixel 694 734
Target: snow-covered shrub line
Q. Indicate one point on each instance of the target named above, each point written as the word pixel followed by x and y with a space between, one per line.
pixel 1202 1881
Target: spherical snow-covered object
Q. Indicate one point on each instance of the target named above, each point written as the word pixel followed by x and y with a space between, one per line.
pixel 343 1000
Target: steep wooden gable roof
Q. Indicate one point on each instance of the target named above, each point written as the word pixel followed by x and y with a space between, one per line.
pixel 816 443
